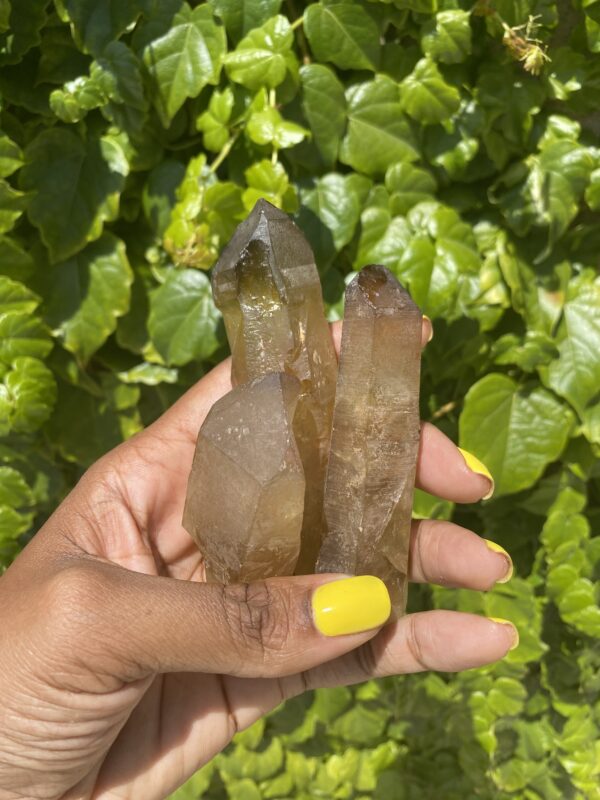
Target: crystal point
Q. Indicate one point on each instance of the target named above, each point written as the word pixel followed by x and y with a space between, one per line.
pixel 267 286
pixel 375 436
pixel 245 495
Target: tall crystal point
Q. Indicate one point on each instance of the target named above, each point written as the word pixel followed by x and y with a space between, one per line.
pixel 267 286
pixel 245 493
pixel 375 438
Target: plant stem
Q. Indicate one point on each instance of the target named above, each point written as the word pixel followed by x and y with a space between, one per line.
pixel 225 150
pixel 297 26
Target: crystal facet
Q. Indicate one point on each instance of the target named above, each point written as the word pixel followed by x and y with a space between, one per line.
pixel 267 286
pixel 245 495
pixel 375 437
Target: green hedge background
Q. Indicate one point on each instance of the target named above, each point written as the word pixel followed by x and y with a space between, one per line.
pixel 455 143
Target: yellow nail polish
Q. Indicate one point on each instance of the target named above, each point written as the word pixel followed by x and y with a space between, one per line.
pixel 496 548
pixel 430 327
pixel 351 605
pixel 475 465
pixel 501 621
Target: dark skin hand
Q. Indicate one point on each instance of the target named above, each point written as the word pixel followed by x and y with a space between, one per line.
pixel 122 672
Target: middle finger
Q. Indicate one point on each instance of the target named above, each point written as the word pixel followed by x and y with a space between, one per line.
pixel 444 553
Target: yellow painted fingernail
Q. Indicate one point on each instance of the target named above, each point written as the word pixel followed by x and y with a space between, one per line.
pixel 501 621
pixel 475 465
pixel 351 605
pixel 497 549
pixel 430 327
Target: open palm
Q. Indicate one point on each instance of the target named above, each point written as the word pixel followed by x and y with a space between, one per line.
pixel 159 684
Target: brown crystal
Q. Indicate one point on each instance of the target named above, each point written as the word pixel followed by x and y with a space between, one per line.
pixel 375 437
pixel 267 286
pixel 245 495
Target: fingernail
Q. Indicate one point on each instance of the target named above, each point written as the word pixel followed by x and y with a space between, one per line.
pixel 351 605
pixel 430 327
pixel 497 549
pixel 515 632
pixel 476 466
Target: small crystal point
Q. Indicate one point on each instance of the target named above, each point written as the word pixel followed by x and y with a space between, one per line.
pixel 267 286
pixel 375 436
pixel 245 495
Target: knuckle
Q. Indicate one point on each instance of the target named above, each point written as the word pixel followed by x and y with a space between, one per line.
pixel 258 617
pixel 73 600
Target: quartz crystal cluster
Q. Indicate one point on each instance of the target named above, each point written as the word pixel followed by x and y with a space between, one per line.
pixel 305 466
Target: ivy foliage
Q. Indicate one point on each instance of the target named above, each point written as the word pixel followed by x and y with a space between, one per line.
pixel 455 143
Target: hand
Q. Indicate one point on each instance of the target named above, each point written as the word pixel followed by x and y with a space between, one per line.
pixel 122 672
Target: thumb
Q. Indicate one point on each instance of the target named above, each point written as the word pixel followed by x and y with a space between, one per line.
pixel 271 628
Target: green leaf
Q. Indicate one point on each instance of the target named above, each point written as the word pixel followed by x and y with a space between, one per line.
pixel 214 121
pixel 535 350
pixel 447 36
pixel 82 428
pixel 5 10
pixel 15 262
pixel 515 775
pixel 12 525
pixel 60 58
pixel 332 200
pixel 507 696
pixel 426 96
pixel 344 34
pixel 87 295
pixel 269 127
pixel 186 58
pixel 324 104
pixel 546 190
pixel 23 32
pixel 426 506
pixel 22 334
pixel 264 56
pixel 27 395
pixel 76 98
pixel 149 375
pixel 97 24
pixel 270 181
pixel 408 185
pixel 75 186
pixel 16 297
pixel 12 205
pixel 14 490
pixel 420 6
pixel 245 789
pixel 204 217
pixel 592 193
pixel 11 157
pixel 576 373
pixel 378 133
pixel 361 725
pixel 183 318
pixel 439 259
pixel 119 73
pixel 242 16
pixel 383 239
pixel 515 431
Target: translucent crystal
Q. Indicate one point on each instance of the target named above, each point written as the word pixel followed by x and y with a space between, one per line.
pixel 245 495
pixel 267 286
pixel 375 437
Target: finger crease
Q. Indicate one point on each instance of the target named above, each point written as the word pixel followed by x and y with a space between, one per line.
pixel 234 725
pixel 366 659
pixel 414 644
